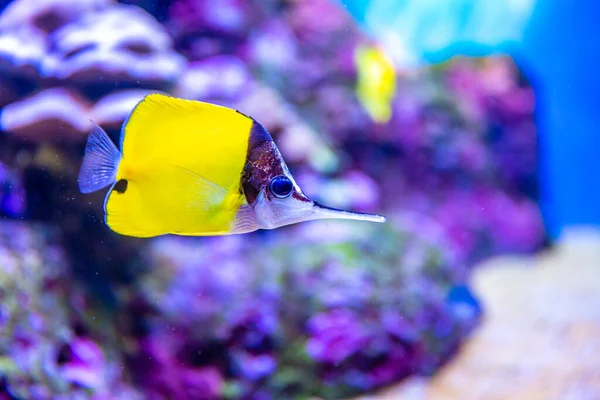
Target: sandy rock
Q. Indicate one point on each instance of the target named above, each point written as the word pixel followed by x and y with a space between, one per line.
pixel 541 335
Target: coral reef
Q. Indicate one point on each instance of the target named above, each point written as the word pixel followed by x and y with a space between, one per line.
pixel 67 54
pixel 327 315
pixel 45 350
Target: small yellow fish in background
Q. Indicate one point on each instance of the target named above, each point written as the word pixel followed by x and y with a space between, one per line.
pixel 376 82
pixel 198 169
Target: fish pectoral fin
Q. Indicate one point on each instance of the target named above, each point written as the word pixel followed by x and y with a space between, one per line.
pixel 201 191
pixel 170 199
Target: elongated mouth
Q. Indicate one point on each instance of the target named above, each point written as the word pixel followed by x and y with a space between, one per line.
pixel 323 212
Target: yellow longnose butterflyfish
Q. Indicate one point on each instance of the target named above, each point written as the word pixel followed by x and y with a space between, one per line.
pixel 376 82
pixel 192 168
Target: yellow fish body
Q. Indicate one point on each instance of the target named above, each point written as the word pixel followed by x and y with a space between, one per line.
pixel 376 82
pixel 193 168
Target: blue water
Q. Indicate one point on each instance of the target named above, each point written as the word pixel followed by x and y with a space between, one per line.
pixel 562 46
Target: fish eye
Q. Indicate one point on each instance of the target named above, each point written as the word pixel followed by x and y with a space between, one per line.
pixel 281 186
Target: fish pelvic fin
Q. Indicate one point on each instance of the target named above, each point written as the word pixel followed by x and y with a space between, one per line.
pixel 100 162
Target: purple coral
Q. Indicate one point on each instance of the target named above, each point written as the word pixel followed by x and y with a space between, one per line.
pixel 45 355
pixel 12 193
pixel 168 376
pixel 198 82
pixel 48 115
pixel 83 363
pixel 335 335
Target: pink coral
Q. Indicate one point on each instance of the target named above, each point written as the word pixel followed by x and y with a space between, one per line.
pixel 85 365
pixel 335 335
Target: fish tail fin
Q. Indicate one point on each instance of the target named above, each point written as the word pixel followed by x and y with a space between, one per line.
pixel 100 162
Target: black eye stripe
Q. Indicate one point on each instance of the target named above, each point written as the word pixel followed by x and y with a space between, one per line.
pixel 281 186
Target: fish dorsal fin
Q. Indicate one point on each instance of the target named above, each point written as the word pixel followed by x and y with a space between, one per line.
pixel 171 199
pixel 207 139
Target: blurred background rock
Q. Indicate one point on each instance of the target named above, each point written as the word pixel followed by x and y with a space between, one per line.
pixel 319 309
